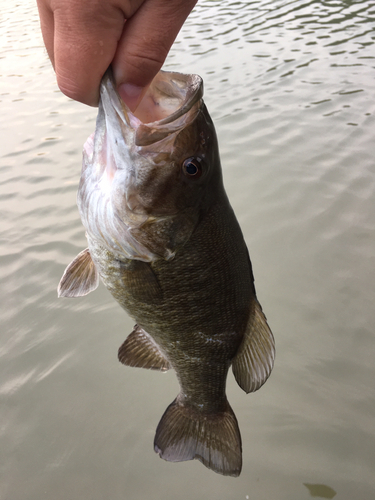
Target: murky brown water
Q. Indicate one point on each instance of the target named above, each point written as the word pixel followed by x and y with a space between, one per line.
pixel 290 86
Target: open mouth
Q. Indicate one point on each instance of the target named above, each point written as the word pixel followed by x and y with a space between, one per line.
pixel 171 102
pixel 169 96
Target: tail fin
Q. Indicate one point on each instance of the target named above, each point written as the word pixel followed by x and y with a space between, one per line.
pixel 185 433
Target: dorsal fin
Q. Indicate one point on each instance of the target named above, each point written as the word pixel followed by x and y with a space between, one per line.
pixel 80 277
pixel 140 350
pixel 255 357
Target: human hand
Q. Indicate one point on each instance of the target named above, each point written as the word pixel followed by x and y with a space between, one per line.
pixel 84 37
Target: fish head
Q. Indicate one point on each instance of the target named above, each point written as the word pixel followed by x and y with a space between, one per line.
pixel 147 175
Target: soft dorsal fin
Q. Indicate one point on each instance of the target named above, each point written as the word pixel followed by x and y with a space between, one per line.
pixel 255 357
pixel 140 350
pixel 80 277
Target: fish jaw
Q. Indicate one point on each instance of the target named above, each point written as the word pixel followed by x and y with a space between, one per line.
pixel 130 168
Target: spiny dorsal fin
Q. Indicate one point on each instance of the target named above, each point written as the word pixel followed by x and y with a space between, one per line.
pixel 140 350
pixel 185 433
pixel 254 359
pixel 80 277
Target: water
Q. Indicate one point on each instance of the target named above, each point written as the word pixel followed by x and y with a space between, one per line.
pixel 290 86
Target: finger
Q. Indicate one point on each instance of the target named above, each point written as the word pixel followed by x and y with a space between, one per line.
pixel 144 45
pixel 47 27
pixel 85 42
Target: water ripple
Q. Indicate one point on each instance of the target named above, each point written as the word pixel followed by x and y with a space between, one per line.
pixel 290 86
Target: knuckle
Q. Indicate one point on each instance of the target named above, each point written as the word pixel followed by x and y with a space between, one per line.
pixel 72 89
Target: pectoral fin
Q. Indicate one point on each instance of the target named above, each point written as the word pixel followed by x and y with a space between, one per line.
pixel 80 277
pixel 140 280
pixel 140 350
pixel 255 357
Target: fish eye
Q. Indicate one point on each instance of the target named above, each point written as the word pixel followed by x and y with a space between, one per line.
pixel 192 167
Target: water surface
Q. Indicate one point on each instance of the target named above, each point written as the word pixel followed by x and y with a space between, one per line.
pixel 290 86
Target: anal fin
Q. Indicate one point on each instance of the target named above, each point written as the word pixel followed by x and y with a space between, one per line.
pixel 80 277
pixel 140 350
pixel 255 357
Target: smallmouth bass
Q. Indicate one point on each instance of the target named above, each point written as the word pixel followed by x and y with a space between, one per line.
pixel 164 240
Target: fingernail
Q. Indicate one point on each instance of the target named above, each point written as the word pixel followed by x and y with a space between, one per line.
pixel 130 94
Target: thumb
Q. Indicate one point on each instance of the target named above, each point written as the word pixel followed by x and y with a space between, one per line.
pixel 144 45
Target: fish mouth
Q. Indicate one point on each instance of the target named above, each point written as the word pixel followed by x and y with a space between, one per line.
pixel 170 103
pixel 169 96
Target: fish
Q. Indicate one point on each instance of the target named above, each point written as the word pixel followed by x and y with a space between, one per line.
pixel 163 238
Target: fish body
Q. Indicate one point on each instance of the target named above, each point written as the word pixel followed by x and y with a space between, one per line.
pixel 164 240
